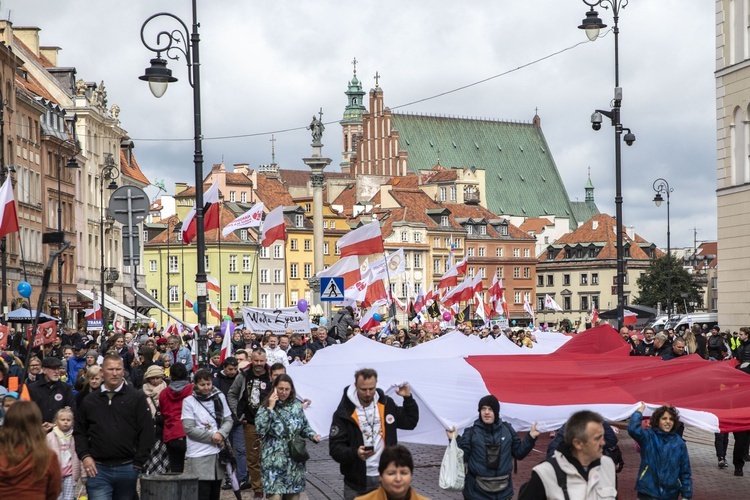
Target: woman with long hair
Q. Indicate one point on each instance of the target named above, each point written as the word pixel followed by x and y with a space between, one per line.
pixel 280 418
pixel 91 381
pixel 28 467
pixel 665 472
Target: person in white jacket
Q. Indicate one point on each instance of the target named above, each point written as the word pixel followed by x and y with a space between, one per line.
pixel 578 469
pixel 274 354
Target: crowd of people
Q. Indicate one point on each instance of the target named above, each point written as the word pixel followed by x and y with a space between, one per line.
pixel 103 414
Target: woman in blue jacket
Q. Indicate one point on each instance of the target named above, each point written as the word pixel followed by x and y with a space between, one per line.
pixel 489 447
pixel 664 473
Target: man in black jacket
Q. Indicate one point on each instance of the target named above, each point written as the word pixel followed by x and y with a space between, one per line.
pixel 50 393
pixel 365 422
pixel 113 434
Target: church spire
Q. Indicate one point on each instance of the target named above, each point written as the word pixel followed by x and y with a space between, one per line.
pixel 351 123
pixel 589 189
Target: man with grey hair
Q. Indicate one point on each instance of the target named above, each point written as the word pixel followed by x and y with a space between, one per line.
pixel 179 353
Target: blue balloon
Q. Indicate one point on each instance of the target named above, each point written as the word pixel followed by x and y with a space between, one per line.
pixel 24 289
pixel 195 307
pixel 377 317
pixel 323 321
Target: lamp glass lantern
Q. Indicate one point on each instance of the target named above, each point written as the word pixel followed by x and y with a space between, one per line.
pixel 158 76
pixel 592 24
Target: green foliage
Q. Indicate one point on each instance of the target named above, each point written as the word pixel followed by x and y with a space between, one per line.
pixel 652 286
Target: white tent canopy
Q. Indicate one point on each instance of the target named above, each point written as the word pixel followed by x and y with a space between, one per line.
pixel 112 304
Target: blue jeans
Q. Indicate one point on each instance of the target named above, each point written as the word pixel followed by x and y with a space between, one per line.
pixel 238 441
pixel 116 483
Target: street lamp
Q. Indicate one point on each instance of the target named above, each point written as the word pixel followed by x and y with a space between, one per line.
pixel 71 164
pixel 592 24
pixel 662 186
pixel 173 43
pixel 109 172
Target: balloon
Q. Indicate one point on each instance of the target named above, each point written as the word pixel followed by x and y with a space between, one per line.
pixel 513 322
pixel 24 289
pixel 377 317
pixel 195 307
pixel 446 316
pixel 111 327
pixel 302 305
pixel 227 318
pixel 323 321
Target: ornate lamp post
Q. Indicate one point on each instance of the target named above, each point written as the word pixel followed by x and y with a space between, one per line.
pixel 173 43
pixel 592 24
pixel 662 186
pixel 109 172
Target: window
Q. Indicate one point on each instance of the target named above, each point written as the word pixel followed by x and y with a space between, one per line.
pixel 584 303
pixel 483 229
pixel 584 279
pixel 246 293
pixel 232 293
pixel 243 234
pixel 448 242
pixel 333 224
pixel 526 252
pixel 453 193
pixel 173 264
pixel 232 196
pixel 264 276
pixel 498 252
pixel 592 253
pixel 308 270
pixel 568 253
pixel 469 230
pixel 308 245
pixel 277 251
pixel 539 280
pixel 293 244
pixel 566 280
pixel 595 301
pixel 444 220
pixel 404 290
pixel 155 293
pixel 499 272
pixel 307 207
pixel 152 266
pixel 443 194
pixel 417 237
pixel 471 272
pixel 336 249
pixel 325 224
pixel 516 297
pixel 263 252
pixel 417 260
pixel 299 220
pixel 417 287
pixel 435 266
pixel 516 272
pixel 550 280
pixel 504 230
pixel 264 300
pixel 527 272
pixel 278 301
pixel 458 242
pixel 232 263
pixel 550 255
pixel 404 236
pixel 470 252
pixel 277 277
pixel 483 272
pixel 294 297
pixel 566 303
pixel 714 282
pixel 243 197
pixel 293 271
pixel 481 251
pixel 207 263
pixel 245 263
pixel 174 294
pixel 516 252
pixel 436 242
pixel 325 248
pixel 540 303
pixel 594 278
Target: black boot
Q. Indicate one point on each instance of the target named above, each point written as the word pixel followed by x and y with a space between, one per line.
pixel 738 471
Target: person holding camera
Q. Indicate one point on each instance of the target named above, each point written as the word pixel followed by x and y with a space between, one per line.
pixel 365 422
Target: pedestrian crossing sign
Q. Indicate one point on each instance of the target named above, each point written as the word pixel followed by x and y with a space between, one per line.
pixel 332 289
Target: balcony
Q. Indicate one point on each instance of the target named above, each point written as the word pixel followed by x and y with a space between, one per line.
pixel 471 195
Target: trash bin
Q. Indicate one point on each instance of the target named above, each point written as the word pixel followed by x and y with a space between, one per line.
pixel 169 487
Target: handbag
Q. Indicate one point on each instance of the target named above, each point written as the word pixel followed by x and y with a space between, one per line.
pixel 452 472
pixel 297 446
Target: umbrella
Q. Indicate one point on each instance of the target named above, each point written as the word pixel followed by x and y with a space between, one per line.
pixel 640 311
pixel 226 456
pixel 23 315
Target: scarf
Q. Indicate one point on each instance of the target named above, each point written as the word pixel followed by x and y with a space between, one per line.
pixel 218 405
pixel 152 395
pixel 65 439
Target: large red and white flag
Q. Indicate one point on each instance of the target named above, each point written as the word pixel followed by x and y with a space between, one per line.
pixel 226 345
pixel 251 218
pixel 549 303
pixel 213 284
pixel 95 312
pixel 213 310
pixel 527 308
pixel 347 268
pixel 629 317
pixel 368 320
pixel 419 301
pixel 594 314
pixel 188 302
pixel 210 214
pixel 450 278
pixel 8 217
pixel 273 227
pixel 497 296
pixel 483 310
pixel 357 292
pixel 364 240
pixel 375 292
pixel 465 291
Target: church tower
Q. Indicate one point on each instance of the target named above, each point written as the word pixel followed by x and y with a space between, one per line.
pixel 351 123
pixel 589 189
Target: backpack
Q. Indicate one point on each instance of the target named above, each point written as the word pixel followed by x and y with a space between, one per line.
pixel 562 480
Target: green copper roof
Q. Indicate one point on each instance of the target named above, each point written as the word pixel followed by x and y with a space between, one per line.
pixel 584 210
pixel 355 107
pixel 520 173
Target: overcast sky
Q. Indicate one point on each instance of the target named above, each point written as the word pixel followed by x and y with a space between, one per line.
pixel 269 65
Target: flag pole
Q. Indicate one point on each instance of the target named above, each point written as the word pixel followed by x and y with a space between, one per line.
pixel 219 235
pixel 391 306
pixel 23 258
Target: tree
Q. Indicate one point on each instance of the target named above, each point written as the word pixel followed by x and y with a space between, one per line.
pixel 652 286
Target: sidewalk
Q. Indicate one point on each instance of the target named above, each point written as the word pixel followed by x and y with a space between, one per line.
pixel 325 482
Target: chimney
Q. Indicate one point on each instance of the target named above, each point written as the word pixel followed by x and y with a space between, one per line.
pixel 50 53
pixel 6 33
pixel 242 168
pixel 180 187
pixel 630 231
pixel 29 35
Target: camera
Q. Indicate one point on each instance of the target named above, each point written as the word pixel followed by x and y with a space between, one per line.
pixel 629 138
pixel 596 120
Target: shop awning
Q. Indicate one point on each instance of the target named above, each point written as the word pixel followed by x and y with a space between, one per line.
pixel 115 305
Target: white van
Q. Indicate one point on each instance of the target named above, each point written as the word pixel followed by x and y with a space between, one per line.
pixel 658 324
pixel 709 319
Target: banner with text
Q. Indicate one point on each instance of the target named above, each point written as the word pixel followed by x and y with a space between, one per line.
pixel 277 320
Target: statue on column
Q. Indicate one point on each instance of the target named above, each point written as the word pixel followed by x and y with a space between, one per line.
pixel 317 128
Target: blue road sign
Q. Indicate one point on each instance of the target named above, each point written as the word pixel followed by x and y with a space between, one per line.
pixel 332 289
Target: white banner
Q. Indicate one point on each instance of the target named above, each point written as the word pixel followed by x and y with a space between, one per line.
pixel 377 270
pixel 277 320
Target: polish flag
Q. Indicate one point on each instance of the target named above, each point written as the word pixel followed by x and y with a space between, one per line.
pixel 226 344
pixel 483 310
pixel 375 291
pixel 629 317
pixel 419 301
pixel 347 268
pixel 213 284
pixel 497 296
pixel 213 310
pixel 8 217
pixel 230 313
pixel 465 291
pixel 368 321
pixel 188 303
pixel 118 325
pixel 95 312
pixel 364 240
pixel 450 278
pixel 527 308
pixel 251 218
pixel 210 214
pixel 273 227
pixel 594 314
